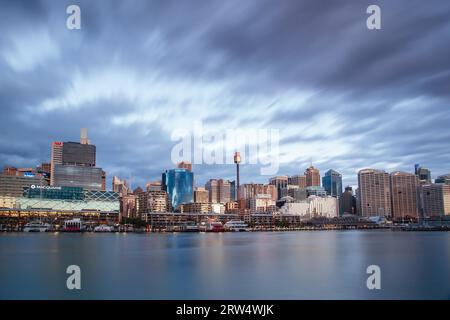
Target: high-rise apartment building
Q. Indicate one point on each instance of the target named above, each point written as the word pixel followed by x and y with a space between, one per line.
pixel 332 183
pixel 312 176
pixel 152 201
pixel 404 195
pixel 374 192
pixel 436 200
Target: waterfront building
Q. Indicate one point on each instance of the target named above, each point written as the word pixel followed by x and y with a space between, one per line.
pixel 63 198
pixel 298 181
pixel 332 183
pixel 128 206
pixel 201 195
pixel 179 185
pixel 312 176
pixel 280 183
pixel 152 201
pixel 7 202
pixel 217 208
pixel 423 174
pixel 348 201
pixel 232 207
pixel 312 207
pixel 196 207
pixel 262 203
pixel 436 200
pixel 374 193
pixel 404 194
pixel 14 185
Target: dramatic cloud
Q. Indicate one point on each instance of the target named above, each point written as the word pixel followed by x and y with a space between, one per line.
pixel 341 96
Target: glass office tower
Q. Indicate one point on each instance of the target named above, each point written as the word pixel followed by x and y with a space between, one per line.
pixel 179 185
pixel 332 182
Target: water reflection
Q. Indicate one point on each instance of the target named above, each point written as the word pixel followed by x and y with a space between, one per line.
pixel 272 265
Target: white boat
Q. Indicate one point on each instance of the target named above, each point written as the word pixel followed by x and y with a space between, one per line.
pixel 102 228
pixel 36 226
pixel 236 225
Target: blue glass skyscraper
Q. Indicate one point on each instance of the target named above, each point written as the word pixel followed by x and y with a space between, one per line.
pixel 179 185
pixel 332 182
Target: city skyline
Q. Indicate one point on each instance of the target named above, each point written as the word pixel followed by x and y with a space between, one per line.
pixel 378 100
pixel 230 177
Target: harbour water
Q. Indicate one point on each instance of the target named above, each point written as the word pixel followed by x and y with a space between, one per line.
pixel 252 265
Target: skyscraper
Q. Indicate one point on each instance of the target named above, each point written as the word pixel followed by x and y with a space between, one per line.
pixel 423 174
pixel 312 176
pixel 73 164
pixel 404 194
pixel 280 182
pixel 374 193
pixel 179 185
pixel 56 158
pixel 219 190
pixel 332 182
pixel 348 201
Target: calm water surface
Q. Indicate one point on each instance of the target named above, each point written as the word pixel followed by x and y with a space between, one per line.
pixel 260 265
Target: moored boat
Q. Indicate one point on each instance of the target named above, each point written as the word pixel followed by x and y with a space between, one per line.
pixel 236 225
pixel 36 226
pixel 103 228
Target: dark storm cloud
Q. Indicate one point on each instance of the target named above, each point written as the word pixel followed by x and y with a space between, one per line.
pixel 309 68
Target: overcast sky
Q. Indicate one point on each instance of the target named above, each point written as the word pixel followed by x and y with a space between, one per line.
pixel 340 95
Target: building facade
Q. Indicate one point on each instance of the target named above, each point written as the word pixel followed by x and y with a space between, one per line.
pixel 179 185
pixel 374 193
pixel 404 195
pixel 436 200
pixel 312 177
pixel 298 181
